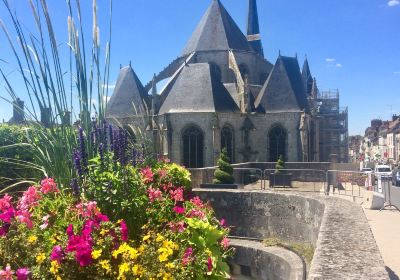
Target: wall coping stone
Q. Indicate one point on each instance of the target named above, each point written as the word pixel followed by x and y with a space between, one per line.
pixel 346 248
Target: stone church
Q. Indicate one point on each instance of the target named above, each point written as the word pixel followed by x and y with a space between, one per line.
pixel 223 93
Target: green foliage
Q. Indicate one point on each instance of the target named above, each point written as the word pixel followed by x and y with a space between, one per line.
pixel 224 173
pixel 305 251
pixel 280 164
pixel 16 157
pixel 54 83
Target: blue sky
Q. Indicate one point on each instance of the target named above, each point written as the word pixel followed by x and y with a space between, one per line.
pixel 352 45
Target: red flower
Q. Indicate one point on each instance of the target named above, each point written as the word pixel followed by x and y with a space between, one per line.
pixel 197 201
pixel 187 256
pixel 209 264
pixel 48 185
pixel 179 210
pixel 154 194
pixel 177 194
pixel 5 202
pixel 124 231
pixel 57 254
pixel 147 174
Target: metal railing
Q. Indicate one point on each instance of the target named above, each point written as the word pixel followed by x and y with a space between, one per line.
pixel 295 179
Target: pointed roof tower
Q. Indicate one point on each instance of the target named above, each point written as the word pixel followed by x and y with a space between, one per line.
pixel 283 90
pixel 216 31
pixel 253 28
pixel 307 78
pixel 129 97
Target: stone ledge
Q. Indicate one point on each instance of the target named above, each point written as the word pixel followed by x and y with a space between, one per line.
pixel 267 262
pixel 345 246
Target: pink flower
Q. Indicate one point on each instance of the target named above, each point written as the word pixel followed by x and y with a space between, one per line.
pixel 24 217
pixel 223 223
pixel 177 227
pixel 88 209
pixel 45 224
pixel 187 256
pixel 48 185
pixel 57 254
pixel 5 202
pixel 225 243
pixel 23 273
pixel 197 201
pixel 29 198
pixel 82 246
pixel 177 194
pixel 6 274
pixel 154 194
pixel 209 264
pixel 147 174
pixel 179 210
pixel 162 173
pixel 124 231
pixel 196 214
pixel 8 215
pixel 70 231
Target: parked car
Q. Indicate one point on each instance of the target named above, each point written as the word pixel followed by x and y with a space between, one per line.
pixel 366 170
pixel 396 178
pixel 383 171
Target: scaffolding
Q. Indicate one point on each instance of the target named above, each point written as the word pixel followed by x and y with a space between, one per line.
pixel 333 127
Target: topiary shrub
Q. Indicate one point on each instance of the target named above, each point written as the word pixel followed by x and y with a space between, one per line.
pixel 280 164
pixel 224 173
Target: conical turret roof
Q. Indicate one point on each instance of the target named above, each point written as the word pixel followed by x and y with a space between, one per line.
pixel 217 31
pixel 307 77
pixel 129 96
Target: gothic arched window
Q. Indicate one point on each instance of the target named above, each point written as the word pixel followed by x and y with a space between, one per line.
pixel 193 146
pixel 228 142
pixel 277 143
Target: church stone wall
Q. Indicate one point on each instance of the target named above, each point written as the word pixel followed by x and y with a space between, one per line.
pixel 212 123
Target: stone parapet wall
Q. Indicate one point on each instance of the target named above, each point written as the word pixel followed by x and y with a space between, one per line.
pixel 260 215
pixel 344 244
pixel 255 261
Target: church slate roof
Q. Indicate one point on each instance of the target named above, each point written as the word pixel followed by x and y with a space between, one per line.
pixel 283 90
pixel 217 31
pixel 128 97
pixel 197 89
pixel 307 77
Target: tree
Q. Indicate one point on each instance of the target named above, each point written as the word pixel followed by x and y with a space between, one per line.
pixel 280 164
pixel 224 173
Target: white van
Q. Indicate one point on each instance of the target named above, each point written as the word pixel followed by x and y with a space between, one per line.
pixel 383 170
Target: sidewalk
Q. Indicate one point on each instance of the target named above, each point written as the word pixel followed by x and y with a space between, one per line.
pixel 385 226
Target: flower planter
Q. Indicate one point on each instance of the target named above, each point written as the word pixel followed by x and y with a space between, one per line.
pixel 219 186
pixel 280 180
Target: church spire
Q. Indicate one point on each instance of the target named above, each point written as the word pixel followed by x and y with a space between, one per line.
pixel 253 28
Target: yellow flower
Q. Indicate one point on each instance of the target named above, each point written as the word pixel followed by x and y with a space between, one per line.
pixel 138 270
pixel 40 258
pixel 159 237
pixel 167 276
pixel 146 237
pixel 170 265
pixel 96 254
pixel 53 240
pixel 103 232
pixel 123 268
pixel 32 239
pixel 54 267
pixel 106 265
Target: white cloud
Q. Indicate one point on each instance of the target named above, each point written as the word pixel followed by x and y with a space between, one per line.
pixel 338 65
pixel 109 86
pixel 393 3
pixel 329 59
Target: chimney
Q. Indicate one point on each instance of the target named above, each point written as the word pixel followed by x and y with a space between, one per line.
pixel 18 112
